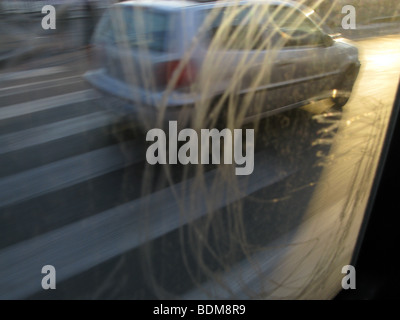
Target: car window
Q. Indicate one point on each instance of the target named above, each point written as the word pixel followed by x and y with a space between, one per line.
pixel 295 27
pixel 138 28
pixel 235 28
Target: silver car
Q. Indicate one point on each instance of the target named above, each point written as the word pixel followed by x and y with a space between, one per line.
pixel 203 61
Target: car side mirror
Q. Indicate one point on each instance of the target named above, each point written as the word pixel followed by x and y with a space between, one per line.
pixel 327 40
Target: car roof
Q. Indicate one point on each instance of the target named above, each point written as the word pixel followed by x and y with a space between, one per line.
pixel 176 4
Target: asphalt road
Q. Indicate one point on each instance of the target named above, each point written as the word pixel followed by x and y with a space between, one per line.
pixel 77 196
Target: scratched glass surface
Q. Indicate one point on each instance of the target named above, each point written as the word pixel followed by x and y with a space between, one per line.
pixel 189 150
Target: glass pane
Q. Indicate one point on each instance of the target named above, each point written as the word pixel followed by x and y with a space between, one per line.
pixel 190 149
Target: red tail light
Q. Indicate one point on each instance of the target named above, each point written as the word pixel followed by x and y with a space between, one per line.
pixel 186 76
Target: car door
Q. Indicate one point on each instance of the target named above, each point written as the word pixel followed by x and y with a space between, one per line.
pixel 306 65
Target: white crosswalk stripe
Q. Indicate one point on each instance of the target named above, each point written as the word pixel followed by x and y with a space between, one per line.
pixel 64 173
pixel 116 231
pixel 46 103
pixel 31 73
pixel 45 85
pixel 50 132
pixel 86 243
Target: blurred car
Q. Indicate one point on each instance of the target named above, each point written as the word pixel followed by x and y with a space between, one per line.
pixel 162 60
